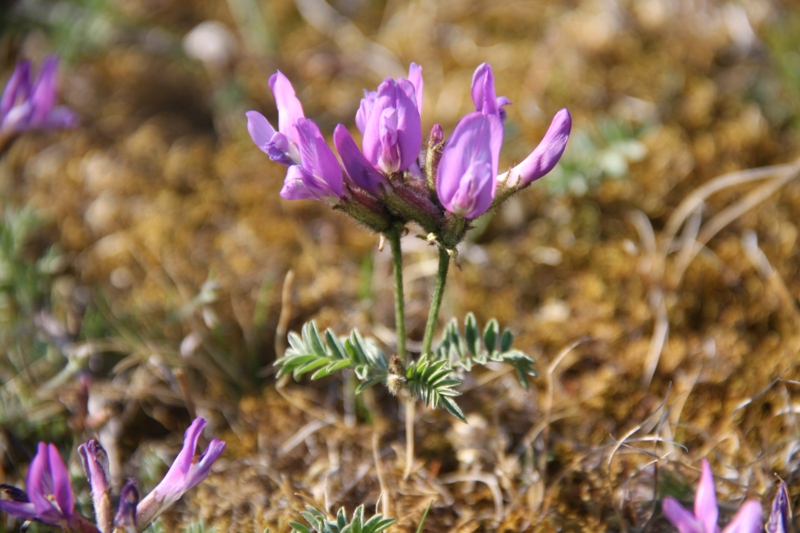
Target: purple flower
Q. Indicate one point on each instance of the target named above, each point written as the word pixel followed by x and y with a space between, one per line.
pixel 704 517
pixel 483 93
pixel 282 145
pixel 186 472
pixel 318 176
pixel 27 105
pixel 126 515
pixel 544 157
pixel 314 172
pixel 95 466
pixel 465 179
pixel 49 498
pixel 390 122
pixel 779 516
pixel 358 169
pixel 437 134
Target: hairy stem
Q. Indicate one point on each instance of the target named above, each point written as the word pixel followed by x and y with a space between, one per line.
pixel 399 305
pixel 400 327
pixel 436 301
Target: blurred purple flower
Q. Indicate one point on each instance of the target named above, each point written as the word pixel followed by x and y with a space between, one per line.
pixel 95 466
pixel 389 119
pixel 49 498
pixel 465 180
pixel 126 516
pixel 27 105
pixel 780 515
pixel 186 472
pixel 544 157
pixel 706 512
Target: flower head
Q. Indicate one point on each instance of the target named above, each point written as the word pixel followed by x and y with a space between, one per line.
pixel 27 104
pixel 390 122
pixel 49 498
pixel 186 472
pixel 706 512
pixel 314 172
pixel 465 179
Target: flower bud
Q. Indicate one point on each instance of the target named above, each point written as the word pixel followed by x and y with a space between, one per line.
pixel 95 466
pixel 125 521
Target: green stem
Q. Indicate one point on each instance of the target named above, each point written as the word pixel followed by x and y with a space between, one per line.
pixel 436 301
pixel 399 306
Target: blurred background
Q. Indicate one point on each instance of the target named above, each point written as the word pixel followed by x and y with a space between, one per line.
pixel 143 257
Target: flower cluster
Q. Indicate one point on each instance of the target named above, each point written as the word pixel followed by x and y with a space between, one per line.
pixel 49 498
pixel 395 177
pixel 27 105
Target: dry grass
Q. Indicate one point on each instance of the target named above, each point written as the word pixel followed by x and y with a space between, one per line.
pixel 662 306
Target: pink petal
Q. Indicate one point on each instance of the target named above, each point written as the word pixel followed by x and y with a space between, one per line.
pixel 289 107
pixel 705 500
pixel 62 488
pixel 747 520
pixel 356 166
pixel 261 131
pixel 17 88
pixel 545 156
pixel 45 90
pixel 681 518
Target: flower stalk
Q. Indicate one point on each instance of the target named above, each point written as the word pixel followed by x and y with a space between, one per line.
pixel 436 300
pixel 399 299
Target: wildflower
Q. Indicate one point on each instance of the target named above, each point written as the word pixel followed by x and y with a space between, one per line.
pixel 125 521
pixel 49 498
pixel 314 172
pixel 95 466
pixel 389 119
pixel 544 157
pixel 186 472
pixel 779 516
pixel 27 105
pixel 465 181
pixel 704 518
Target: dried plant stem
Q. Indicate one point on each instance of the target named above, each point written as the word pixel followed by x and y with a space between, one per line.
pixel 386 506
pixel 427 342
pixel 409 436
pixel 436 301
